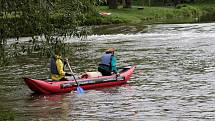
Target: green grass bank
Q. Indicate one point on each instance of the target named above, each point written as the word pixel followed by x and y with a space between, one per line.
pixel 182 13
pixel 137 15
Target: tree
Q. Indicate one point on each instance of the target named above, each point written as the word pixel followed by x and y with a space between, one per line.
pixel 112 4
pixel 128 4
pixel 47 22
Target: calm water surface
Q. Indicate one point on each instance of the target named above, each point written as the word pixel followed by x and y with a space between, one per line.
pixel 174 79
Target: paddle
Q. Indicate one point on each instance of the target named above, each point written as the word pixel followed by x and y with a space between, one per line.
pixel 79 89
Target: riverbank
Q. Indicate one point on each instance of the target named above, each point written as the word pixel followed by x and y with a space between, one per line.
pixel 137 15
pixel 151 15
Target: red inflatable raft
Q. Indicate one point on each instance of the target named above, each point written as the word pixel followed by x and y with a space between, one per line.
pixel 49 87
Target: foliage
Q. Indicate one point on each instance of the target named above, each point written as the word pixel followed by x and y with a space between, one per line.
pixel 7 116
pixel 188 10
pixel 99 20
pixel 208 11
pixel 168 2
pixel 44 19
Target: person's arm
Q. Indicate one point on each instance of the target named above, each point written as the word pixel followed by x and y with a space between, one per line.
pixel 60 66
pixel 113 64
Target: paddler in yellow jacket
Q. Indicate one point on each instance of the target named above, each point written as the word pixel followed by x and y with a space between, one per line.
pixel 57 67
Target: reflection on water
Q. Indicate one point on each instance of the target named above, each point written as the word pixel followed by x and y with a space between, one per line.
pixel 174 78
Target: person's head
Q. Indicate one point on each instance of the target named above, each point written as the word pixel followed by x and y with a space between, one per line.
pixel 110 50
pixel 58 51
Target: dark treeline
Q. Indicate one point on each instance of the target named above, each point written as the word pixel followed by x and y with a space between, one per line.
pixel 167 2
pixel 113 4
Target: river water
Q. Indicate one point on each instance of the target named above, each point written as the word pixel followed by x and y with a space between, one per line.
pixel 174 79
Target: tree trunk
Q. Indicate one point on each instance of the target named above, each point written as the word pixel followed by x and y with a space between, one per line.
pixel 112 4
pixel 123 3
pixel 176 2
pixel 127 4
pixel 192 1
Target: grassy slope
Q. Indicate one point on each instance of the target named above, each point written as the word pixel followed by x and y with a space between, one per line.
pixel 181 14
pixel 135 15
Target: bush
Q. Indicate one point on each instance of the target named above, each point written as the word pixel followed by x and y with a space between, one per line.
pixel 98 20
pixel 7 116
pixel 188 10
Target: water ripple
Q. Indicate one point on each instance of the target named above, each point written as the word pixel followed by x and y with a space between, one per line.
pixel 173 80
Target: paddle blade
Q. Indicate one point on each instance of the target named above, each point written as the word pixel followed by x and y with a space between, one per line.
pixel 80 90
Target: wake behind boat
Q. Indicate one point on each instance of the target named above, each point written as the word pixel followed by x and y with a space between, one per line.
pixel 50 87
